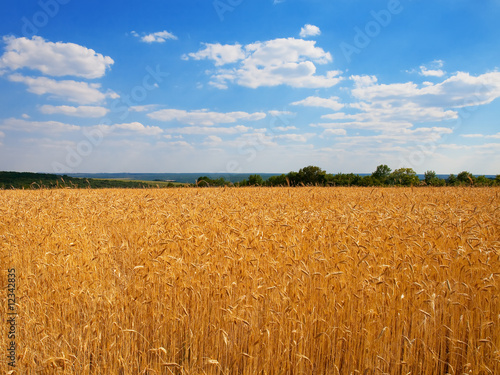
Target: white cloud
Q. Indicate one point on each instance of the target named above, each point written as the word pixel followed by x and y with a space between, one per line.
pixel 397 106
pixel 209 130
pixel 284 128
pixel 374 125
pixel 179 144
pixel 309 30
pixel 204 117
pixel 283 61
pixel 276 113
pixel 157 37
pixel 81 111
pixel 53 59
pixel 433 70
pixel 135 127
pixel 221 54
pixel 495 136
pixel 293 137
pixel 314 101
pixel 460 90
pixel 391 139
pixel 334 132
pixel 26 126
pixel 143 108
pixel 212 139
pixel 402 112
pixel 487 146
pixel 73 91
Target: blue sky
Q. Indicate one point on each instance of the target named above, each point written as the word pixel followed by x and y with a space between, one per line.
pixel 249 85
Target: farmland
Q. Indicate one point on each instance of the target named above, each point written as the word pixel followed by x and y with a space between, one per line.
pixel 304 280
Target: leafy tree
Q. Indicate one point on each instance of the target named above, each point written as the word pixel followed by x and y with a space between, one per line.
pixel 293 178
pixel 382 173
pixel 431 179
pixel 429 176
pixel 483 181
pixel 368 181
pixel 451 180
pixel 207 181
pixel 465 177
pixel 404 177
pixel 277 180
pixel 255 179
pixel 312 175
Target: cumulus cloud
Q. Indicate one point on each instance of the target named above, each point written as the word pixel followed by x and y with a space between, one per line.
pixel 460 90
pixel 157 37
pixel 495 136
pixel 284 128
pixel 212 139
pixel 142 108
pixel 399 106
pixel 434 70
pixel 334 132
pixel 26 126
pixel 392 139
pixel 73 91
pixel 277 113
pixel 53 59
pixel 309 30
pixel 134 127
pixel 204 117
pixel 81 111
pixel 209 130
pixel 283 61
pixel 220 54
pixel 315 101
pixel 293 137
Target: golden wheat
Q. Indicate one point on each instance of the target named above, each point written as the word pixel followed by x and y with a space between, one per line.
pixel 253 280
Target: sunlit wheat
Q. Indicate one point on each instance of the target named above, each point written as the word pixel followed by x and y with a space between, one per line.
pixel 254 280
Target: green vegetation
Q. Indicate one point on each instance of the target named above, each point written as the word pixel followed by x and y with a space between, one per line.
pixel 307 176
pixel 26 180
pixel 382 176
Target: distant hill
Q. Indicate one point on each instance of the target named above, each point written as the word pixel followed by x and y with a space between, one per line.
pixel 189 178
pixel 28 180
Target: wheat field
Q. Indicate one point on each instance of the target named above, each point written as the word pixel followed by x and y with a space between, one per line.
pixel 253 280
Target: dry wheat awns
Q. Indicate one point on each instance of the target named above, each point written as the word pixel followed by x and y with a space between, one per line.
pixel 254 280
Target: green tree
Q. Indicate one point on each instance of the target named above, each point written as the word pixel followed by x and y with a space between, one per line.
pixel 404 177
pixel 431 179
pixel 429 176
pixel 483 181
pixel 451 180
pixel 465 177
pixel 293 178
pixel 312 175
pixel 255 179
pixel 277 180
pixel 382 173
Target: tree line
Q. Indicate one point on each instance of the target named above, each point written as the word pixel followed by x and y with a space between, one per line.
pixel 382 176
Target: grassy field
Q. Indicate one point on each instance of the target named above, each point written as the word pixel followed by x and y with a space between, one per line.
pixel 253 281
